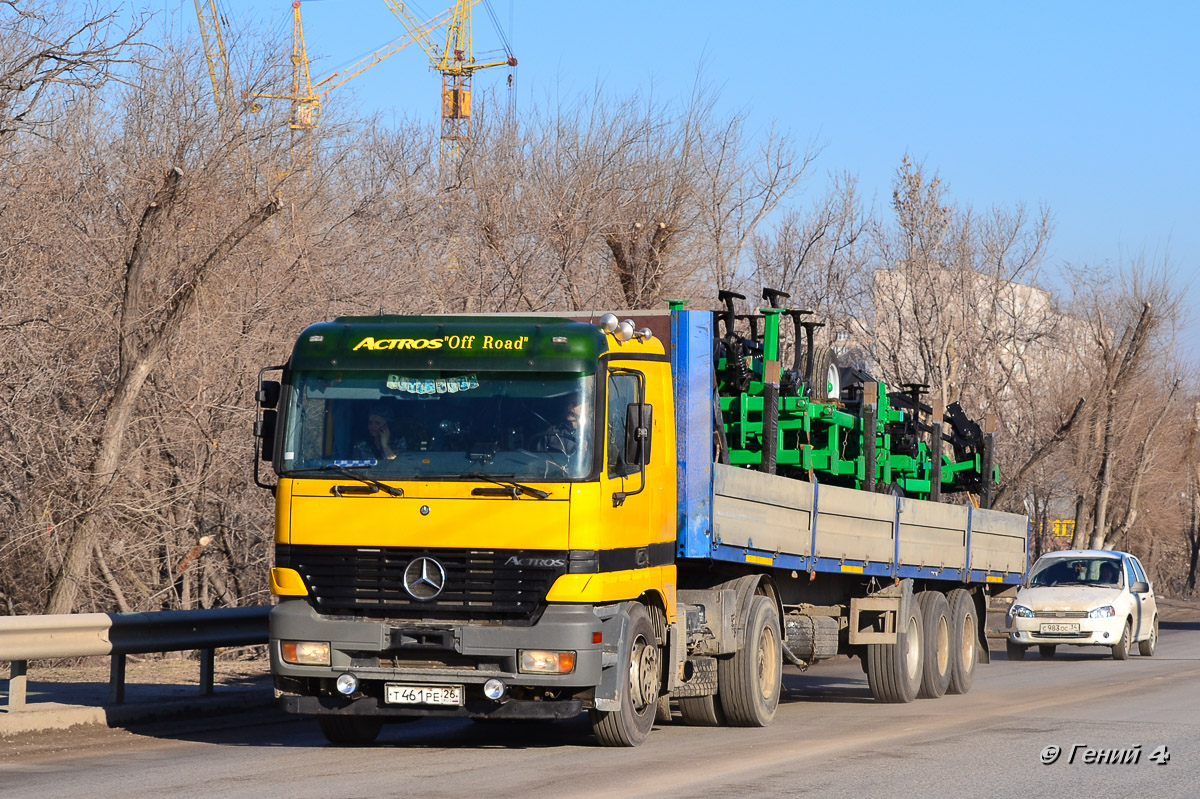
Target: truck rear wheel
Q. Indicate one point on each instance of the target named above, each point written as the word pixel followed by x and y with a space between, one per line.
pixel 350 730
pixel 630 725
pixel 935 677
pixel 894 670
pixel 701 711
pixel 752 679
pixel 964 638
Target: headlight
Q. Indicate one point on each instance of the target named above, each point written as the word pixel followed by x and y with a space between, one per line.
pixel 1020 611
pixel 306 653
pixel 1106 612
pixel 534 661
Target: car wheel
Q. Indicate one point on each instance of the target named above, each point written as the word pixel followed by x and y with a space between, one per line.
pixel 1146 648
pixel 1120 649
pixel 1047 650
pixel 1015 651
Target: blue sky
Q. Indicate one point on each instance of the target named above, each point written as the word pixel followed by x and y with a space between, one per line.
pixel 1091 108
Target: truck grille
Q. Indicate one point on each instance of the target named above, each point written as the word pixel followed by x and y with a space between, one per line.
pixel 479 584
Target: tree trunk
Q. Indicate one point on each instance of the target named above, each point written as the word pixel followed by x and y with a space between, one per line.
pixel 137 364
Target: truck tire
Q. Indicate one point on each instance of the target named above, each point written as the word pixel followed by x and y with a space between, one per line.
pixel 630 725
pixel 964 640
pixel 894 670
pixel 350 730
pixel 752 680
pixel 701 711
pixel 935 677
pixel 1146 647
pixel 1121 648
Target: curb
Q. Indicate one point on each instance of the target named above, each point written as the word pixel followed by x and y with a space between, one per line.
pixel 42 716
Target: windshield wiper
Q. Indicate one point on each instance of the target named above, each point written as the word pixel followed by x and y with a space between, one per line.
pixel 512 489
pixel 344 471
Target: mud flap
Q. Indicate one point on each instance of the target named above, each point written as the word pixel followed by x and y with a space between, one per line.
pixel 615 651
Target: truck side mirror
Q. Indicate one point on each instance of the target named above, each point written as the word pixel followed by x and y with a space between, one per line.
pixel 639 422
pixel 268 393
pixel 264 430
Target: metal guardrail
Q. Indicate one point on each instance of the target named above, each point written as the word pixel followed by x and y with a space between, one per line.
pixel 25 638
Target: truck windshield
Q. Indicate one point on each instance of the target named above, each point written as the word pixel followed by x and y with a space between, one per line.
pixel 437 425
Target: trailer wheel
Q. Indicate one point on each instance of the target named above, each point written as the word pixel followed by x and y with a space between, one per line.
pixel 630 725
pixel 752 679
pixel 894 670
pixel 701 711
pixel 935 677
pixel 350 730
pixel 964 639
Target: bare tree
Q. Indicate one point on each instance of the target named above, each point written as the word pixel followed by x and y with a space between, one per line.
pixel 49 47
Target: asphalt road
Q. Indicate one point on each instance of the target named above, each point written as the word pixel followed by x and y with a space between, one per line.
pixel 829 739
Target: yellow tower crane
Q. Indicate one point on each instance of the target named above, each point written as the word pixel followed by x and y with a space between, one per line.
pixel 229 109
pixel 307 97
pixel 456 61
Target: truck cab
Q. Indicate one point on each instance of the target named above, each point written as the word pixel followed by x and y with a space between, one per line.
pixel 465 508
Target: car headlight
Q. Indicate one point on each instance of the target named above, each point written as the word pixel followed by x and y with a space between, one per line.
pixel 1020 611
pixel 1106 612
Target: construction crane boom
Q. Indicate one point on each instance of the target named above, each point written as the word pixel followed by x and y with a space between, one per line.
pixel 209 18
pixel 455 60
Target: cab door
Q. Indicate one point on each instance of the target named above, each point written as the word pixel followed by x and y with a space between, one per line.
pixel 638 501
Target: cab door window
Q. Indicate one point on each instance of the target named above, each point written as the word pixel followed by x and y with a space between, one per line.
pixel 622 390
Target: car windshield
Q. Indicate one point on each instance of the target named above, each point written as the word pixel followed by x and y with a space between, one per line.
pixel 1076 571
pixel 438 425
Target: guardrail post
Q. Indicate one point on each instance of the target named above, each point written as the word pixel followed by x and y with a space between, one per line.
pixel 207 656
pixel 116 681
pixel 16 684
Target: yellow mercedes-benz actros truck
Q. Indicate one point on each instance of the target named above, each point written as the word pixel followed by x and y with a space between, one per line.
pixel 530 517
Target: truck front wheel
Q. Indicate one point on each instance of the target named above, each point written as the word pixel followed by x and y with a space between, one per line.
pixel 630 725
pixel 751 680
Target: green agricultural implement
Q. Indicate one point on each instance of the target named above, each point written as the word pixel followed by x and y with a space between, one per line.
pixel 826 423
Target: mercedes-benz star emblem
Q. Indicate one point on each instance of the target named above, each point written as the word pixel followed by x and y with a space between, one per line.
pixel 424 579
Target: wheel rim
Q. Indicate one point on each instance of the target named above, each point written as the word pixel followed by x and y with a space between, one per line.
pixel 643 672
pixel 912 649
pixel 941 648
pixel 833 382
pixel 768 662
pixel 968 641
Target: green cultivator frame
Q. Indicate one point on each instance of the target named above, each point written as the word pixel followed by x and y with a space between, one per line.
pixel 831 424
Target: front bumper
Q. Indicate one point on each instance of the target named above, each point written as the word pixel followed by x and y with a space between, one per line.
pixel 380 651
pixel 1091 632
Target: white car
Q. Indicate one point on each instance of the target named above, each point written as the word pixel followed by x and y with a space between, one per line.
pixel 1084 597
